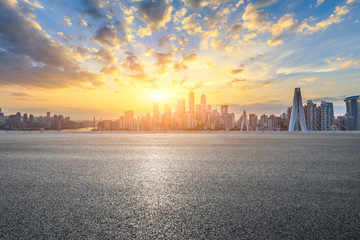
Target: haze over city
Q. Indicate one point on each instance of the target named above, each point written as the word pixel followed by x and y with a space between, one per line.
pixel 86 58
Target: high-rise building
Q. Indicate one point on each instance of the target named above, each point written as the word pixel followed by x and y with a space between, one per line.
pixel 327 115
pixel 224 109
pixel 203 103
pixel 192 104
pixel 253 120
pixel 25 117
pixel 353 109
pixel 263 123
pixel 156 114
pixel 129 120
pixel 181 107
pixel 311 116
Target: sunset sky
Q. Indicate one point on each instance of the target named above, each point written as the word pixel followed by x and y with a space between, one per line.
pixel 96 57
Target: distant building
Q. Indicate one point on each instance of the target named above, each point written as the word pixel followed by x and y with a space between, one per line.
pixel 181 107
pixel 192 104
pixel 327 115
pixel 253 120
pixel 353 109
pixel 203 103
pixel 224 109
pixel 312 116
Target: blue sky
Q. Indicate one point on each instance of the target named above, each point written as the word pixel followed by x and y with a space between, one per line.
pixel 118 55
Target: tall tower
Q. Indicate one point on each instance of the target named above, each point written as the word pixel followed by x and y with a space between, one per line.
pixel 181 107
pixel 203 103
pixel 191 104
pixel 297 112
pixel 244 121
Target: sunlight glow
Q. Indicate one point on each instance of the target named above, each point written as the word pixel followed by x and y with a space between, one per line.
pixel 159 96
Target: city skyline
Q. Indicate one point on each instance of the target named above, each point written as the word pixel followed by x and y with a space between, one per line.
pixel 94 57
pixel 301 115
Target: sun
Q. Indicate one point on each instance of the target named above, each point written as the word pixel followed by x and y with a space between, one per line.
pixel 159 96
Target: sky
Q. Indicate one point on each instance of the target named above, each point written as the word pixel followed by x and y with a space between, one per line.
pixel 88 58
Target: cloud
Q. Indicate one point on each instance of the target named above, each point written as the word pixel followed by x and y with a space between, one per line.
pixel 133 68
pixel 197 4
pixel 196 86
pixel 67 38
pixel 235 81
pixel 112 36
pixel 107 36
pixel 349 64
pixel 183 40
pixel 155 14
pixel 21 94
pixel 212 20
pixel 266 83
pixel 335 17
pixel 106 56
pixel 82 22
pixel 236 71
pixel 166 40
pixel 187 58
pixel 81 53
pixel 319 2
pixel 34 4
pixel 236 27
pixel 163 61
pixel 67 21
pixel 286 24
pixel 93 8
pixel 31 59
pixel 275 41
pixel 309 79
pixel 111 70
pixel 254 19
pixel 191 24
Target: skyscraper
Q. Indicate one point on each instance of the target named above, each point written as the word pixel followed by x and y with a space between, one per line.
pixel 203 103
pixel 253 119
pixel 327 115
pixel 224 109
pixel 311 116
pixel 353 109
pixel 181 107
pixel 191 104
pixel 129 120
pixel 156 114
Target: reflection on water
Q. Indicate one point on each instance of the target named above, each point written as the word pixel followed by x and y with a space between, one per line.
pixel 179 185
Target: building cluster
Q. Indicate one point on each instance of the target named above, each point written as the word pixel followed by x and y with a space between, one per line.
pixel 24 121
pixel 321 117
pixel 351 119
pixel 202 117
pixel 191 117
pixel 182 117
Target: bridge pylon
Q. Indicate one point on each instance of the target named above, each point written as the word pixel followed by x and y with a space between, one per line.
pixel 297 112
pixel 244 121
